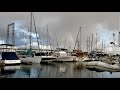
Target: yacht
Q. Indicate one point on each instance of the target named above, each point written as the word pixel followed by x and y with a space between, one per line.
pixel 8 55
pixel 46 56
pixel 62 55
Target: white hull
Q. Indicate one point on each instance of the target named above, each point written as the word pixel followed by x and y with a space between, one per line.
pixel 32 59
pixel 47 59
pixel 12 61
pixel 102 64
pixel 65 59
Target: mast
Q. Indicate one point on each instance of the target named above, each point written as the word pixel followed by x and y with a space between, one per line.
pixel 40 41
pixel 87 44
pixel 96 42
pixel 56 40
pixel 80 38
pixel 77 40
pixel 36 33
pixel 48 38
pixel 118 32
pixel 92 43
pixel 31 30
pixel 114 39
pixel 102 45
pixel 64 42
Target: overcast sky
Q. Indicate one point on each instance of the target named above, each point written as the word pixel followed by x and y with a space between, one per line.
pixel 63 24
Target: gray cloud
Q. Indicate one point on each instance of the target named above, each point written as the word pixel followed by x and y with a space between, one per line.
pixel 64 24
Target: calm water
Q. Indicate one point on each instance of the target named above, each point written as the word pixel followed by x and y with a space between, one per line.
pixel 55 70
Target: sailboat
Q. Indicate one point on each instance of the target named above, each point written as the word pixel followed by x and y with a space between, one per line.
pixel 46 56
pixel 63 55
pixel 30 57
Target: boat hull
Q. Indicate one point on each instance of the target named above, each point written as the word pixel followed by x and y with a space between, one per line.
pixel 47 59
pixel 9 62
pixel 31 59
pixel 65 59
pixel 102 66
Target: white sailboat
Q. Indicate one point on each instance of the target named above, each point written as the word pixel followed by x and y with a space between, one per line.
pixel 30 57
pixel 47 56
pixel 62 56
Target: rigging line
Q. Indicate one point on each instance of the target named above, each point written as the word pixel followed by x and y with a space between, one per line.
pixel 36 33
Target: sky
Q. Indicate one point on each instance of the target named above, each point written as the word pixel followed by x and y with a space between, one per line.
pixel 61 26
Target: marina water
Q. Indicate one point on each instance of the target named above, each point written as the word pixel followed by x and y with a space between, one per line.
pixel 54 70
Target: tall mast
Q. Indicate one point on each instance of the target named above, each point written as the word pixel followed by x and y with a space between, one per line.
pixel 92 43
pixel 87 44
pixel 31 30
pixel 64 42
pixel 80 38
pixel 56 40
pixel 114 39
pixel 77 40
pixel 102 45
pixel 118 32
pixel 96 41
pixel 36 34
pixel 47 36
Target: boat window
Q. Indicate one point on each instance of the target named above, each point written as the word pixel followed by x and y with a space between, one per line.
pixel 9 56
pixel 40 54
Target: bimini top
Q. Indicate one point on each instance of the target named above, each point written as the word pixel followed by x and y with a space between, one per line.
pixel 7 45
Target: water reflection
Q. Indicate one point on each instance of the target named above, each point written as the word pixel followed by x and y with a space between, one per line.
pixel 8 71
pixel 54 70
